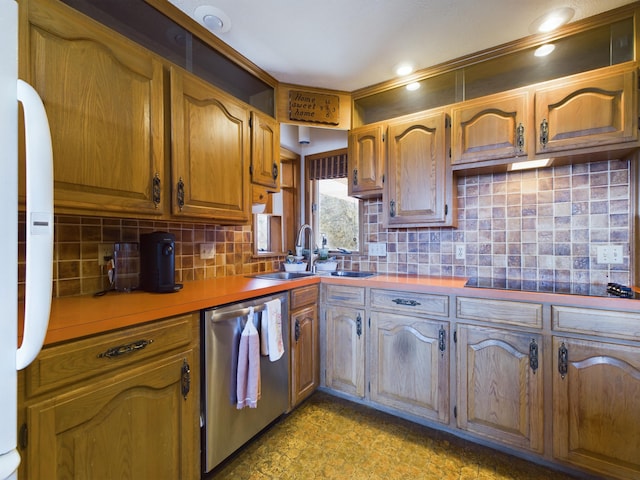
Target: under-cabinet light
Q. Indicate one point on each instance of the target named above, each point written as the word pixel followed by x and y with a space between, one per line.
pixel 413 86
pixel 545 162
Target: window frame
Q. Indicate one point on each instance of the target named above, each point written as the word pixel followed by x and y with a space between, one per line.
pixel 312 198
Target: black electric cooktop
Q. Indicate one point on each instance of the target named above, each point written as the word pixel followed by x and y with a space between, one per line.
pixel 609 290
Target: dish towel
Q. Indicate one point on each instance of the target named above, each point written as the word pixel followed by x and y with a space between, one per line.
pixel 248 377
pixel 271 327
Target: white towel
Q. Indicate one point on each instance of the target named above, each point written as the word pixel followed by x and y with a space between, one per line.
pixel 274 329
pixel 248 376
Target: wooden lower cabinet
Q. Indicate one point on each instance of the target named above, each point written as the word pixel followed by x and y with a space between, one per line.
pixel 304 332
pixel 500 385
pixel 345 352
pixel 409 364
pixel 139 420
pixel 596 406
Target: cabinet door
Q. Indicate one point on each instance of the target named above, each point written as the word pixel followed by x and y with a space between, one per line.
pixel 265 151
pixel 410 364
pixel 490 128
pixel 133 425
pixel 500 392
pixel 210 152
pixel 596 406
pixel 104 99
pixel 589 110
pixel 420 183
pixel 345 341
pixel 366 161
pixel 305 367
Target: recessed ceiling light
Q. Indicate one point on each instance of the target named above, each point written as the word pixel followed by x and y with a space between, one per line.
pixel 544 50
pixel 413 86
pixel 552 20
pixel 403 69
pixel 214 19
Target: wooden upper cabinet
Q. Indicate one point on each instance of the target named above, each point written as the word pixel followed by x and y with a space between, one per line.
pixel 104 99
pixel 419 185
pixel 490 128
pixel 366 161
pixel 587 110
pixel 265 151
pixel 210 152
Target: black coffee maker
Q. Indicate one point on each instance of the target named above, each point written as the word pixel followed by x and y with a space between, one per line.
pixel 157 262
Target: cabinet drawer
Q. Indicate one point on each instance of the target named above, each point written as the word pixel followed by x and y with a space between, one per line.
pixel 500 311
pixel 304 296
pixel 614 324
pixel 344 295
pixel 410 302
pixel 82 359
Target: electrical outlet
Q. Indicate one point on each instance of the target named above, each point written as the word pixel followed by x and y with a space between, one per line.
pixel 377 249
pixel 207 250
pixel 609 254
pixel 460 251
pixel 105 253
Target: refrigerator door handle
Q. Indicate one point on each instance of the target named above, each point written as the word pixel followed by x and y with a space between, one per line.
pixel 39 251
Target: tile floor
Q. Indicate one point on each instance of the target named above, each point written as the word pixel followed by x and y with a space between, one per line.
pixel 331 438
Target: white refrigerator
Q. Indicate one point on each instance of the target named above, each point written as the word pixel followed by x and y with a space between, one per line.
pixel 39 234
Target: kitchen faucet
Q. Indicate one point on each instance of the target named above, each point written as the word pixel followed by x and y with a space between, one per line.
pixel 299 242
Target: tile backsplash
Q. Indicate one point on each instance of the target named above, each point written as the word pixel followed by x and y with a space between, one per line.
pixel 538 224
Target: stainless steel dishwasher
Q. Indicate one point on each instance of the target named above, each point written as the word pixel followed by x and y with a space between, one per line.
pixel 224 427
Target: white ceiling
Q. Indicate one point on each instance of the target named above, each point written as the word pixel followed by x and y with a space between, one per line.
pixel 350 44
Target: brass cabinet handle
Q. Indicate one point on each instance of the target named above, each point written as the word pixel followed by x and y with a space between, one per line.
pixel 156 190
pixel 520 137
pixel 185 379
pixel 180 194
pixel 563 360
pixel 533 355
pixel 544 133
pixel 407 303
pixel 125 349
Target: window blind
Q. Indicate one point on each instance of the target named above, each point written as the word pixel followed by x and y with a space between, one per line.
pixel 323 166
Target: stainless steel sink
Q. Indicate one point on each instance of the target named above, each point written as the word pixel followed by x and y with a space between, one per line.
pixel 281 275
pixel 352 274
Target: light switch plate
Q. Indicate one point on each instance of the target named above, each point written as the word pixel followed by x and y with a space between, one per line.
pixel 378 249
pixel 609 254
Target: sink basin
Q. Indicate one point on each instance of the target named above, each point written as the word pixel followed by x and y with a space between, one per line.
pixel 281 275
pixel 352 274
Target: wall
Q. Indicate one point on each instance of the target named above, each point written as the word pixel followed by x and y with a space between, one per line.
pixel 76 239
pixel 538 225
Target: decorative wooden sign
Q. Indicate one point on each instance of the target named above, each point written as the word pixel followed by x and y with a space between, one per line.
pixel 314 107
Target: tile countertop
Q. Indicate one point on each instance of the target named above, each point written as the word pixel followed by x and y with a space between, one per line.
pixel 75 317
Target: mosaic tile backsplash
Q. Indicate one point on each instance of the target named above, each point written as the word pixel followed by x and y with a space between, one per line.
pixel 538 224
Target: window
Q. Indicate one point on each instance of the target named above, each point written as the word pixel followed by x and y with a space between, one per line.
pixel 336 217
